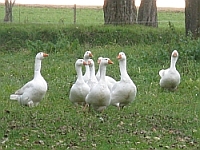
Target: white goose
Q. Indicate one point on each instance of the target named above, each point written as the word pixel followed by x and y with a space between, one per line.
pixel 99 95
pixel 86 57
pixel 33 91
pixel 79 89
pixel 170 78
pixel 124 91
pixel 109 80
pixel 92 80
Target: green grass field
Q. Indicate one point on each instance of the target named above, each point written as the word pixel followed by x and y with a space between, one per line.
pixel 84 16
pixel 157 119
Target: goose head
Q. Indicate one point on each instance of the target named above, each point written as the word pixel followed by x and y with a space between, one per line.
pixel 99 60
pixel 105 61
pixel 174 54
pixel 121 56
pixel 80 62
pixel 90 63
pixel 174 58
pixel 41 55
pixel 87 55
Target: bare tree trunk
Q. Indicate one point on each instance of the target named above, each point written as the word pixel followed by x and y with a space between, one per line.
pixel 192 17
pixel 147 14
pixel 8 10
pixel 119 12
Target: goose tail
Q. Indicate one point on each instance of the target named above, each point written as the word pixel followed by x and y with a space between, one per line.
pixel 161 72
pixel 14 97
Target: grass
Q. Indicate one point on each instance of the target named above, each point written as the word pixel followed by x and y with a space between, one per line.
pixel 157 119
pixel 84 16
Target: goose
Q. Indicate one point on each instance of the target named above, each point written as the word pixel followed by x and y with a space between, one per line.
pixel 170 78
pixel 79 89
pixel 92 80
pixel 124 91
pixel 109 80
pixel 33 91
pixel 98 71
pixel 86 57
pixel 99 95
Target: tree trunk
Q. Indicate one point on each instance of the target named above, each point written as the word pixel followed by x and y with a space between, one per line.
pixel 192 17
pixel 119 12
pixel 147 14
pixel 8 10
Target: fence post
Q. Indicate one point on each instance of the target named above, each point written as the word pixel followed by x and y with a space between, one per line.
pixel 19 12
pixel 74 13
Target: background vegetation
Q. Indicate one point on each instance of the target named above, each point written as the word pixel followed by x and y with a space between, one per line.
pixel 65 15
pixel 157 119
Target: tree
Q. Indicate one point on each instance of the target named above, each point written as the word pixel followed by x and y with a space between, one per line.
pixel 192 17
pixel 147 14
pixel 8 10
pixel 119 12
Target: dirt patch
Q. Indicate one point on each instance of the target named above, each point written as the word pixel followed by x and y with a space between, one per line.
pixel 171 9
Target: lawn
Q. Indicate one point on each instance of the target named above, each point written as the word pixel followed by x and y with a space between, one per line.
pixel 157 119
pixel 84 16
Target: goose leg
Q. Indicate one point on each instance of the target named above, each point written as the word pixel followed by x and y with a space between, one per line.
pixel 85 107
pixel 30 104
pixel 119 108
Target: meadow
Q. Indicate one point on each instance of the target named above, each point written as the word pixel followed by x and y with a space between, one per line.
pixel 157 119
pixel 84 15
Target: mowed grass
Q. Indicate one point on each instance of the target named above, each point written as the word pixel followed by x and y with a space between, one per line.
pixel 157 119
pixel 84 16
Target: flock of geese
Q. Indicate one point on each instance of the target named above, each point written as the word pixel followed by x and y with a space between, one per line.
pixel 99 90
pixel 95 90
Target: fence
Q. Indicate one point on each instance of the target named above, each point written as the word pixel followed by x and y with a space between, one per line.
pixel 84 15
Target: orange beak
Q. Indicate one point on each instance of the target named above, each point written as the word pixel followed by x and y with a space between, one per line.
pixel 110 62
pixel 98 61
pixel 90 55
pixel 119 56
pixel 174 54
pixel 89 62
pixel 45 55
pixel 84 63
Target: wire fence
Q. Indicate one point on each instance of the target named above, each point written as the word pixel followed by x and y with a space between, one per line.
pixel 84 15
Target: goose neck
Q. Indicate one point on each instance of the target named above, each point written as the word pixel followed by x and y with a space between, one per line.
pixel 79 73
pixel 98 72
pixel 87 68
pixel 37 67
pixel 173 63
pixel 102 72
pixel 122 66
pixel 92 72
